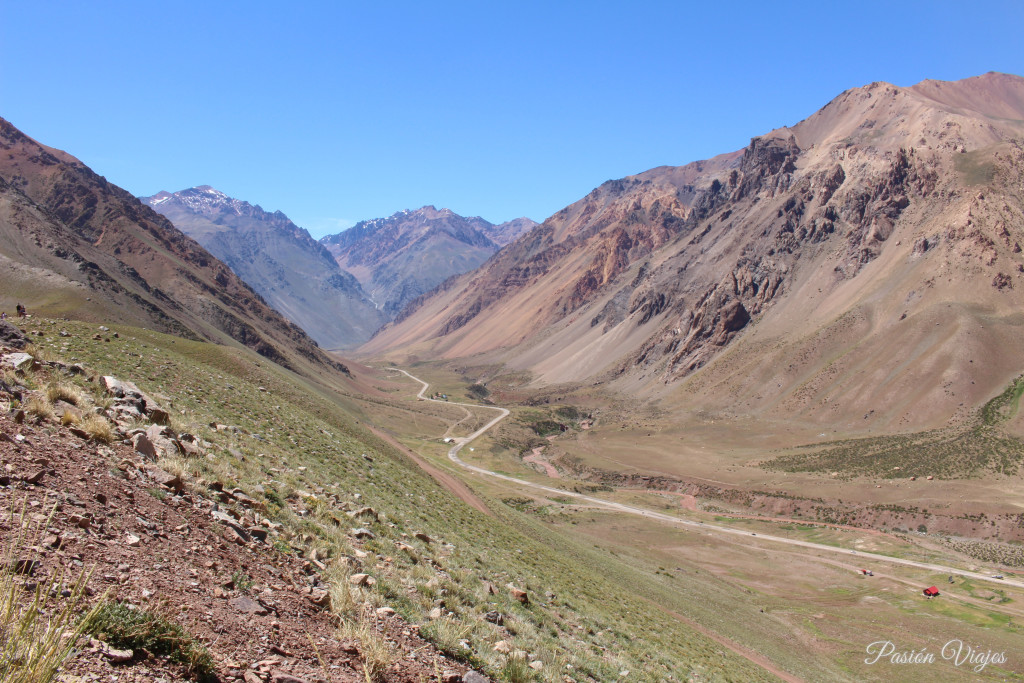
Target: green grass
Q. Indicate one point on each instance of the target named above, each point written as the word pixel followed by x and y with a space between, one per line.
pixel 975 167
pixel 945 454
pixel 298 448
pixel 126 627
pixel 1005 405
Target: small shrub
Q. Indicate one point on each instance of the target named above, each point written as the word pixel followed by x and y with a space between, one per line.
pixel 241 581
pixel 125 627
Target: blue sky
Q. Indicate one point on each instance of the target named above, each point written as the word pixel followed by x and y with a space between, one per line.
pixel 334 112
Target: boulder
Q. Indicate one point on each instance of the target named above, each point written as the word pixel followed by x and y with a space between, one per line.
pixel 143 446
pixel 11 335
pixel 359 579
pixel 165 479
pixel 519 594
pixel 19 361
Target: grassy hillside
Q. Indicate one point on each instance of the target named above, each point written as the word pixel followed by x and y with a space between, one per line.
pixel 292 447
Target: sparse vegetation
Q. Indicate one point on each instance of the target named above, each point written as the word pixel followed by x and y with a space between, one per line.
pixel 949 454
pixel 374 650
pixel 97 428
pixel 38 628
pixel 124 626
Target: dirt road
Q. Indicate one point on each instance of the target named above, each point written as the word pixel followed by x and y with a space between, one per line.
pixel 453 455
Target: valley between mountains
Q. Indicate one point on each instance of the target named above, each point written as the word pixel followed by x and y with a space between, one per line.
pixel 719 421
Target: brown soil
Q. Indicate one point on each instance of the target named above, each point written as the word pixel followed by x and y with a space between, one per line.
pixel 182 567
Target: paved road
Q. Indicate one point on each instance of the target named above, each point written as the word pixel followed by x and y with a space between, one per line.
pixel 861 556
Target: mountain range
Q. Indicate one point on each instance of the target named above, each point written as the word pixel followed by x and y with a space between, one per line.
pixel 399 258
pixel 81 246
pixel 865 261
pixel 293 272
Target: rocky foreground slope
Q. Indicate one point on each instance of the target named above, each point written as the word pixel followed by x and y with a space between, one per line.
pixel 866 261
pixel 293 272
pixel 203 557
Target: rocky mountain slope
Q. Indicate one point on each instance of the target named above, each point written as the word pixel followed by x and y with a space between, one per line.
pixel 865 261
pixel 71 240
pixel 401 257
pixel 293 272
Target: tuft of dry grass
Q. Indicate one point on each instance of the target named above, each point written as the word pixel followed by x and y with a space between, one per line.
pixel 66 391
pixel 37 632
pixel 39 406
pixel 375 651
pixel 98 428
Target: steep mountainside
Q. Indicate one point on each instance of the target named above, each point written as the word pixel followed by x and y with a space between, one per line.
pixel 292 271
pixel 866 261
pixel 401 257
pixel 71 239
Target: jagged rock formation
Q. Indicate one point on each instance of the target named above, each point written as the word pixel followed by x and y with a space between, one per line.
pixel 65 229
pixel 401 257
pixel 825 257
pixel 292 271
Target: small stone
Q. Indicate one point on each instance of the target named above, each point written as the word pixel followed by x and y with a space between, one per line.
pixel 385 612
pixel 423 537
pixel 436 613
pixel 359 579
pixel 320 598
pixel 363 533
pixel 247 605
pixel 502 646
pixel 536 665
pixel 35 477
pixel 133 541
pixel 474 677
pixel 116 656
pixel 519 594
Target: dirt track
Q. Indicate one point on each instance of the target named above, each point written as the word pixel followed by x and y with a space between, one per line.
pixel 453 455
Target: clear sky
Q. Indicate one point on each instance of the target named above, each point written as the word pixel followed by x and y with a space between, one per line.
pixel 334 112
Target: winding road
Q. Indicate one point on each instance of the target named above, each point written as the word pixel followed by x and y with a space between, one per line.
pixel 862 556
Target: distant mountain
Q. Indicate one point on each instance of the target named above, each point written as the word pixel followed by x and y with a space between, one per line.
pixel 291 270
pixel 866 261
pixel 509 231
pixel 399 258
pixel 72 242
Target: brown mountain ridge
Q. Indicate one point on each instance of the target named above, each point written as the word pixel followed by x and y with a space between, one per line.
pixel 865 261
pixel 73 241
